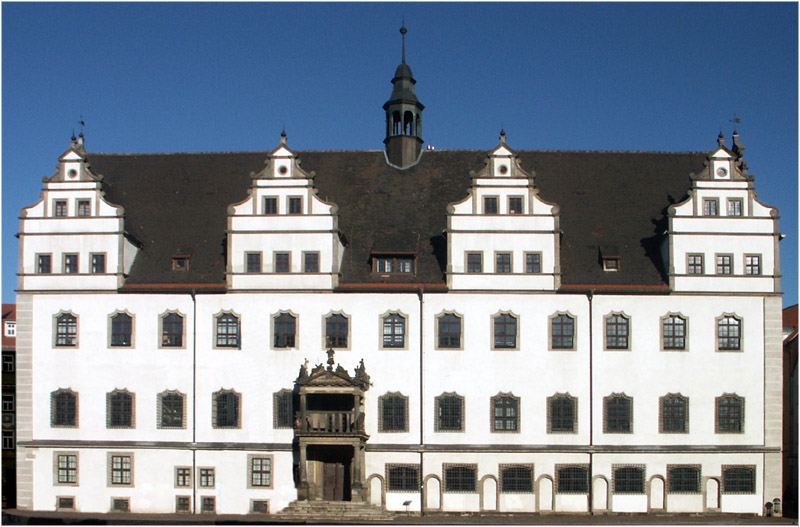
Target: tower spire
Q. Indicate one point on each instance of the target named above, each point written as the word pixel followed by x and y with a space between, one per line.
pixel 403 32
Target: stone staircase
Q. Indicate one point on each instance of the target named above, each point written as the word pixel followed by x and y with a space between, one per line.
pixel 350 512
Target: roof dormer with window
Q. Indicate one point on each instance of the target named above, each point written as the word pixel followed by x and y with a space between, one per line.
pixel 503 236
pixel 283 237
pixel 721 238
pixel 72 238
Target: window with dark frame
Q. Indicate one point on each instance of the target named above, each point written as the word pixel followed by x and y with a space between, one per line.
pixel 734 207
pixel 738 480
pixel 171 408
pixel 60 208
pixel 120 504
pixel 121 470
pixel 394 331
pixel 183 504
pixel 67 469
pixel 336 330
pixel 84 207
pixel 207 479
pixel 65 503
pixel 505 331
pixel 121 330
pixel 730 414
pixel 66 330
pixel 295 205
pixel 270 205
pixel 208 504
pixel 180 263
pixel 515 205
pixel 729 333
pixel 449 413
pixel 695 264
pixel 505 413
pixel 402 478
pixel 253 262
pixel 183 477
pixel 285 328
pixel 44 264
pixel 8 363
pixel 683 480
pixel 533 263
pixel 724 264
pixel 628 480
pixel 63 408
pixel 618 414
pixel 8 402
pixel 393 412
pixel 282 263
pixel 611 263
pixel 562 410
pixel 172 330
pixel 752 265
pixel 710 207
pixel 673 332
pixel 283 409
pixel 98 263
pixel 502 263
pixel 260 472
pixel 674 414
pixel 226 409
pixel 311 262
pixel 460 478
pixel 474 262
pixel 70 264
pixel 228 331
pixel 489 205
pixel 617 331
pixel 562 332
pixel 400 264
pixel 8 440
pixel 516 479
pixel 120 409
pixel 449 331
pixel 572 480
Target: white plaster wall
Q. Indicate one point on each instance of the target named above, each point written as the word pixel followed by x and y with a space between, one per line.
pixel 701 373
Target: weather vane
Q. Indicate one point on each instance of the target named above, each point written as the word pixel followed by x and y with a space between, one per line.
pixel 735 121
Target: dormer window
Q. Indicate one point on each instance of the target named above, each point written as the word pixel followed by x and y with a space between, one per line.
pixel 710 207
pixel 734 207
pixel 393 264
pixel 60 208
pixel 296 205
pixel 611 263
pixel 180 263
pixel 515 205
pixel 270 206
pixel 490 205
pixel 84 207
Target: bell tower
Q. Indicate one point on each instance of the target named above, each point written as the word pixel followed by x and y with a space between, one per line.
pixel 403 116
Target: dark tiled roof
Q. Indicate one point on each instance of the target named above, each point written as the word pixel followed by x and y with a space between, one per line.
pixel 177 204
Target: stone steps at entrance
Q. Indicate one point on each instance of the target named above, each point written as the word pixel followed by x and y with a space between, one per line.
pixel 338 511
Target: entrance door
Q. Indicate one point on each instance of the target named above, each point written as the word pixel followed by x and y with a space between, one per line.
pixel 333 482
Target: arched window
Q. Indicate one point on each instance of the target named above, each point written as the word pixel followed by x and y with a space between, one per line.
pixel 516 478
pixel 729 333
pixel 562 332
pixel 226 409
pixel 628 480
pixel 617 332
pixel 449 413
pixel 562 411
pixel 408 123
pixel 227 331
pixel 396 123
pixel 172 330
pixel 171 410
pixel 336 330
pixel 683 479
pixel 673 332
pixel 66 330
pixel 738 480
pixel 393 413
pixel 285 329
pixel 572 479
pixel 63 408
pixel 120 409
pixel 449 331
pixel 283 409
pixel 730 414
pixel 505 413
pixel 674 414
pixel 394 331
pixel 618 414
pixel 505 331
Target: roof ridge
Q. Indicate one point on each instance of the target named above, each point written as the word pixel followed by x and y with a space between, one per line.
pixel 267 152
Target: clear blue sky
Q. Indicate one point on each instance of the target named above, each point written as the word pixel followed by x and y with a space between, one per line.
pixel 220 77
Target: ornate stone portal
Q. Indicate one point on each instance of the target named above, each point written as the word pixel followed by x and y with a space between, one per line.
pixel 329 432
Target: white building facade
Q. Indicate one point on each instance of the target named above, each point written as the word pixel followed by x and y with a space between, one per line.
pixel 465 331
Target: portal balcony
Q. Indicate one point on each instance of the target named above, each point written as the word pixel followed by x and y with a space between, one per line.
pixel 329 423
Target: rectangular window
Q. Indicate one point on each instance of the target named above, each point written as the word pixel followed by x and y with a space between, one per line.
pixel 282 409
pixel 674 414
pixel 8 403
pixel 44 264
pixel 84 207
pixel 121 330
pixel 673 333
pixel 505 331
pixel 618 414
pixel 227 331
pixel 617 332
pixel 172 331
pixel 724 264
pixel 310 262
pixel 394 331
pixel 474 262
pixel 710 207
pixel 336 330
pixel 561 413
pixel 449 412
pixel 562 332
pixel 60 207
pixel 752 264
pixel 70 263
pixel 281 262
pixel 734 207
pixel 10 328
pixel 628 480
pixel 460 478
pixel 270 205
pixel 121 470
pixel 259 506
pixel 516 479
pixel 730 414
pixel 611 264
pixel 515 205
pixel 502 263
pixel 695 264
pixel 8 362
pixel 253 262
pixel 450 331
pixel 171 406
pixel 8 440
pixel 738 479
pixel 183 477
pixel 65 503
pixel 402 478
pixel 183 504
pixel 490 205
pixel 393 413
pixel 120 504
pixel 260 472
pixel 683 479
pixel 533 263
pixel 98 263
pixel 67 469
pixel 505 414
pixel 393 264
pixel 572 479
pixel 206 478
pixel 208 504
pixel 295 205
pixel 180 263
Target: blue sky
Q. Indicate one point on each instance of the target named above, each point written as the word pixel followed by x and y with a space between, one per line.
pixel 169 77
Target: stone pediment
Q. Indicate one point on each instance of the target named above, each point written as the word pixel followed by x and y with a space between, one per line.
pixel 321 376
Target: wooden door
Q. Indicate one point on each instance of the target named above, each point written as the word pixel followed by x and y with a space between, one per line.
pixel 333 482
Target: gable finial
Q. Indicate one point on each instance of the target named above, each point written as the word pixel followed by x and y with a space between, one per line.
pixel 735 121
pixel 73 136
pixel 720 138
pixel 283 136
pixel 502 135
pixel 403 32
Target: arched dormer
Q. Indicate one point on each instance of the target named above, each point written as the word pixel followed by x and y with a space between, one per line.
pixel 503 236
pixel 282 236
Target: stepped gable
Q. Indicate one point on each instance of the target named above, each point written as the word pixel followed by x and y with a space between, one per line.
pixel 176 204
